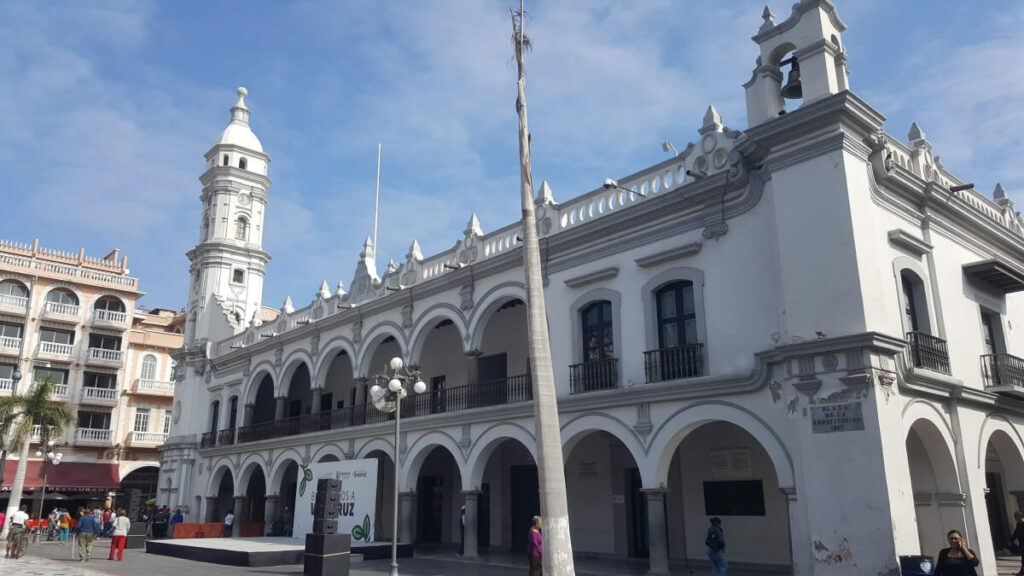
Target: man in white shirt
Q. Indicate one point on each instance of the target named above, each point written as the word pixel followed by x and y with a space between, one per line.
pixel 229 522
pixel 17 532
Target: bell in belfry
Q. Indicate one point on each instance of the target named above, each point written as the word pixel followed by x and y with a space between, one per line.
pixel 792 90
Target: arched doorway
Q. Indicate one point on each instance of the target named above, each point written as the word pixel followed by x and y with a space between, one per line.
pixel 443 366
pixel 508 497
pixel 383 523
pixel 438 500
pixel 300 394
pixel 263 404
pixel 339 387
pixel 136 488
pixel 223 499
pixel 1004 481
pixel 934 482
pixel 254 509
pixel 718 469
pixel 284 483
pixel 607 510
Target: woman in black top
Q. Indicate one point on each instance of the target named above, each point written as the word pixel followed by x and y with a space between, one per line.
pixel 1018 536
pixel 958 559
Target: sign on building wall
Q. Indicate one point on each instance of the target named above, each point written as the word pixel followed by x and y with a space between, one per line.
pixel 837 418
pixel 358 497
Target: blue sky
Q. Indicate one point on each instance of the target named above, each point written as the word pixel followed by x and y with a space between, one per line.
pixel 106 110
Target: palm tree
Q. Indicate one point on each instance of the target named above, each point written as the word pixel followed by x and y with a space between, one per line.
pixel 558 560
pixel 22 413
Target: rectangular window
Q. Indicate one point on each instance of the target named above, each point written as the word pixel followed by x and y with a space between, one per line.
pixel 54 375
pixel 99 380
pixel 104 342
pixel 6 371
pixel 58 336
pixel 9 330
pixel 141 420
pixel 734 498
pixel 167 421
pixel 238 276
pixel 94 420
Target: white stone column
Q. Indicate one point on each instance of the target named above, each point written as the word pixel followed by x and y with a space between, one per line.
pixel 657 539
pixel 317 395
pixel 236 528
pixel 472 498
pixel 269 512
pixel 280 403
pixel 406 506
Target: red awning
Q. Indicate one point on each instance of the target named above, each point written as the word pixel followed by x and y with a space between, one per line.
pixel 80 476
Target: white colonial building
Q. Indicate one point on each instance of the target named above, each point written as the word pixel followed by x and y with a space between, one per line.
pixel 808 328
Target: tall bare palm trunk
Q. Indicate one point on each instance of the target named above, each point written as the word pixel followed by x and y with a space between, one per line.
pixel 558 560
pixel 19 484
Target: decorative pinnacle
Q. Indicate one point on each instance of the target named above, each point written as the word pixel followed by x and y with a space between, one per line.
pixel 999 193
pixel 239 112
pixel 415 253
pixel 916 133
pixel 769 19
pixel 287 307
pixel 473 227
pixel 341 288
pixel 368 251
pixel 545 195
pixel 712 121
pixel 325 291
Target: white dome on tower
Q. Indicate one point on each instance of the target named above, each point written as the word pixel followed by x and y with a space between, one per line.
pixel 238 131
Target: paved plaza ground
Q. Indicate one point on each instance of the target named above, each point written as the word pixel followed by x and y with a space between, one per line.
pixel 49 558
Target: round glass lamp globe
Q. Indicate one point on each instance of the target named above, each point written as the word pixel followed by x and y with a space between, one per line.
pixel 420 387
pixel 396 364
pixel 39 454
pixel 395 385
pixel 375 391
pixel 51 455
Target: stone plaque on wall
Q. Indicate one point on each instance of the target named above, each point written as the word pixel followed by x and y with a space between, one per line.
pixel 837 418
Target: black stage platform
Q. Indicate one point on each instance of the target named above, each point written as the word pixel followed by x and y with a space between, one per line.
pixel 259 551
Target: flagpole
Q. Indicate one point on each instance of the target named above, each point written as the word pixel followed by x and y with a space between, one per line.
pixel 376 201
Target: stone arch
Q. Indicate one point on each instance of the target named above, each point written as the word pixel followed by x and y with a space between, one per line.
pixel 221 468
pixel 484 446
pixel 247 468
pixel 418 451
pixel 581 426
pixel 920 410
pixel 1007 440
pixel 667 437
pixel 488 304
pixel 328 351
pixel 276 475
pixel 329 449
pixel 291 364
pixel 373 340
pixel 933 475
pixel 253 385
pixel 65 287
pixel 427 320
pixel 126 467
pixel 376 445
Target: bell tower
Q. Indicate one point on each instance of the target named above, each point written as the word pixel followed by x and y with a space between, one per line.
pixel 228 264
pixel 809 45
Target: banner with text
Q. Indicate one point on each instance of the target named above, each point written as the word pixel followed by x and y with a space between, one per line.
pixel 358 508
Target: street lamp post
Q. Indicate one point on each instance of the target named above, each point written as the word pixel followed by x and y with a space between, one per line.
pixel 389 399
pixel 50 458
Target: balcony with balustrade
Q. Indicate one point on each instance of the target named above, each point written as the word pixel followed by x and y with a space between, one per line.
pixel 37 434
pixel 56 351
pixel 492 393
pixel 928 352
pixel 10 346
pixel 60 391
pixel 150 387
pixel 6 386
pixel 11 304
pixel 146 439
pixel 105 357
pixel 1003 373
pixel 92 437
pixel 98 396
pixel 61 312
pixel 674 363
pixel 110 319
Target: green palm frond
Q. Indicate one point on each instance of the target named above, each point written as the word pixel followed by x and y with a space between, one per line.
pixel 21 413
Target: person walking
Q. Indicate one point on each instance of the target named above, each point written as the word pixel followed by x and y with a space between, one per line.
pixel 714 546
pixel 108 521
pixel 535 548
pixel 121 525
pixel 64 524
pixel 1018 536
pixel 229 522
pixel 175 520
pixel 88 528
pixel 462 532
pixel 958 559
pixel 17 537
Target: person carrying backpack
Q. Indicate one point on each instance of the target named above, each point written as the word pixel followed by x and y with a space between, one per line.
pixel 714 545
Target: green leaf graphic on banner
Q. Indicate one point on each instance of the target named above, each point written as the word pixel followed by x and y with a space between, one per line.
pixel 362 532
pixel 307 475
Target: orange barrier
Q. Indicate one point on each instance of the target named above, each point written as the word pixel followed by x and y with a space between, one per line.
pixel 250 529
pixel 197 530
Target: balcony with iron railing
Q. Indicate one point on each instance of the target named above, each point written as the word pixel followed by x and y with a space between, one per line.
pixel 146 439
pixel 13 304
pixel 94 395
pixel 674 363
pixel 1003 372
pixel 504 391
pixel 226 437
pixel 92 436
pixel 10 346
pixel 594 375
pixel 928 352
pixel 62 312
pixel 104 357
pixel 55 351
pixel 151 387
pixel 109 318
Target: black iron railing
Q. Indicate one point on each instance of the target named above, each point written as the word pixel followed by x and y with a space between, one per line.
pixel 491 393
pixel 674 363
pixel 208 440
pixel 929 352
pixel 226 437
pixel 1002 369
pixel 594 375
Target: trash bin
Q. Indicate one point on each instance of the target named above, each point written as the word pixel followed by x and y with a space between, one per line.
pixel 916 565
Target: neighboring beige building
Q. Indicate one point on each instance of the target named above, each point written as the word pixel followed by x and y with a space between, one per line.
pixel 74 319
